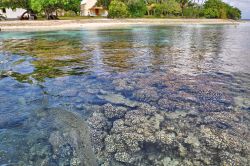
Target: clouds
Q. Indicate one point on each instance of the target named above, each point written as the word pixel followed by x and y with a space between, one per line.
pixel 243 5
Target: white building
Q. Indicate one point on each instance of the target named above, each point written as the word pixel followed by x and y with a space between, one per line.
pixel 89 8
pixel 12 14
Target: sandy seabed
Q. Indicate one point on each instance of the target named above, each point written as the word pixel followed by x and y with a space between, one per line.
pixel 41 25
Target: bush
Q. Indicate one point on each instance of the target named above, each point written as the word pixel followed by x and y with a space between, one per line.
pixel 168 8
pixel 211 13
pixel 234 13
pixel 118 9
pixel 223 13
pixel 173 7
pixel 188 12
pixel 159 9
pixel 219 9
pixel 104 3
pixel 137 8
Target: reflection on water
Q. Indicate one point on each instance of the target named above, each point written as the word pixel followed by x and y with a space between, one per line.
pixel 153 95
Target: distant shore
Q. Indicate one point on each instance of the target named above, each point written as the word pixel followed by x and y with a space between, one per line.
pixel 42 25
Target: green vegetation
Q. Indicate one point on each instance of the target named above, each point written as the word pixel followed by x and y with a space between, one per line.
pixel 50 6
pixel 104 3
pixel 133 8
pixel 170 8
pixel 219 9
pixel 137 8
pixel 118 9
pixel 15 4
pixel 183 4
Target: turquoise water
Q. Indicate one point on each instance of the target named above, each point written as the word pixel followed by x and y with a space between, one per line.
pixel 141 95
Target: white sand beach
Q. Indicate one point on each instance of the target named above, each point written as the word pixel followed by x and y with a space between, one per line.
pixel 43 25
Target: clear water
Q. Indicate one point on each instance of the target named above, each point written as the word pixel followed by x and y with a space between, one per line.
pixel 142 95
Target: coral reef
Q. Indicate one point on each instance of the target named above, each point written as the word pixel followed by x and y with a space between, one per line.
pixel 146 136
pixel 171 92
pixel 146 94
pixel 172 120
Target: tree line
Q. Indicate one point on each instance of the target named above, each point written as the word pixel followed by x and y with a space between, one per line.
pixel 171 8
pixel 134 8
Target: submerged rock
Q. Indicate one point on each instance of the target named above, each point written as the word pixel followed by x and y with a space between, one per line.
pixel 70 140
pixel 118 99
pixel 242 102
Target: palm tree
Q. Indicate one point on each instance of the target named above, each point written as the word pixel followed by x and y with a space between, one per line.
pixel 183 4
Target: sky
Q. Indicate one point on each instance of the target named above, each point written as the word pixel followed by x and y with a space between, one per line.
pixel 243 5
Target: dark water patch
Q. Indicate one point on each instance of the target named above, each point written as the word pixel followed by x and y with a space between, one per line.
pixel 222 125
pixel 11 122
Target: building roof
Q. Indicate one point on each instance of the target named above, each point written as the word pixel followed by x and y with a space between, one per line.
pixel 97 7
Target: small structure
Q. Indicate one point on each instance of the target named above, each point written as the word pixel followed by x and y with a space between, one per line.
pixel 89 8
pixel 12 13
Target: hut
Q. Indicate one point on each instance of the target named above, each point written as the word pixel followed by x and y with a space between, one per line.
pixel 89 8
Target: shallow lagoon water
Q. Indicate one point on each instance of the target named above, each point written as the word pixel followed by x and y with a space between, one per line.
pixel 141 95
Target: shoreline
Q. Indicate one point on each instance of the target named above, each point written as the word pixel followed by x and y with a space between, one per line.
pixel 43 25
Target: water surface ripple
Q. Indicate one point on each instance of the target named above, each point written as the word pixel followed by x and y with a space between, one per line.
pixel 141 95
